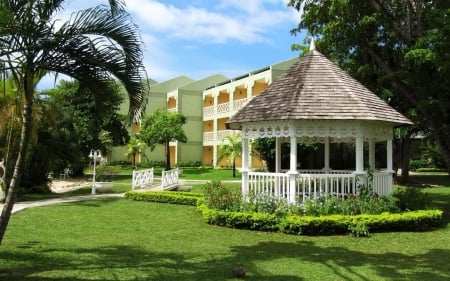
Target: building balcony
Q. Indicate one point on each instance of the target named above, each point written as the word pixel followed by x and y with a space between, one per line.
pixel 216 137
pixel 224 108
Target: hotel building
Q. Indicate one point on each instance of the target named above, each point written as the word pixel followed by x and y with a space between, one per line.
pixel 207 104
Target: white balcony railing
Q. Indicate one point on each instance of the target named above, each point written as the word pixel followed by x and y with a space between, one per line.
pixel 238 104
pixel 217 136
pixel 209 111
pixel 173 109
pixel 223 107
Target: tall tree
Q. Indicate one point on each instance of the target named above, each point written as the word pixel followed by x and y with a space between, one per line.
pixel 397 48
pixel 231 150
pixel 95 46
pixel 162 127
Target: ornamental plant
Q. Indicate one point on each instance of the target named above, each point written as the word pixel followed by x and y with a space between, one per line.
pixel 220 197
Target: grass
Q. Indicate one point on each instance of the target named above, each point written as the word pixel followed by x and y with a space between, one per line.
pixel 127 240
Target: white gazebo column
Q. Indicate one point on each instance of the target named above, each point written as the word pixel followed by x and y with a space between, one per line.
pixel 277 155
pixel 372 154
pixel 389 150
pixel 293 169
pixel 359 146
pixel 245 170
pixel 359 159
pixel 215 155
pixel 326 166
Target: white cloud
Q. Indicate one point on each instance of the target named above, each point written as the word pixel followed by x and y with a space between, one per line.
pixel 228 20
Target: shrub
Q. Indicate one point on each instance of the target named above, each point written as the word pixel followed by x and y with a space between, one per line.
pixel 418 163
pixel 411 198
pixel 183 198
pixel 266 204
pixel 359 229
pixel 218 196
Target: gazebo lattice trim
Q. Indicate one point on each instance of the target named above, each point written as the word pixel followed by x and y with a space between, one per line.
pixel 319 131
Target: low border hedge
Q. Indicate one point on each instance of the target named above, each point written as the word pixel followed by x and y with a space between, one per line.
pixel 421 220
pixel 182 198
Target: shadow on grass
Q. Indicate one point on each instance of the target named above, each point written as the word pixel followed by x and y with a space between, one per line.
pixel 131 263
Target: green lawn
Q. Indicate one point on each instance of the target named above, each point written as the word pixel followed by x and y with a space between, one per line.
pixel 127 240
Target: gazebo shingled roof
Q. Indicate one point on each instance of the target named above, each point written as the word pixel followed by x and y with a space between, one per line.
pixel 314 88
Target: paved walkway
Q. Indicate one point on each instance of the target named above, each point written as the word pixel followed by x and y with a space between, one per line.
pixel 62 186
pixel 70 184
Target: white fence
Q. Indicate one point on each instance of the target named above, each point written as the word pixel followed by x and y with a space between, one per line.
pixel 315 183
pixel 142 178
pixel 169 178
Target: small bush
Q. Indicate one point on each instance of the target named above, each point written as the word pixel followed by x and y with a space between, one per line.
pixel 418 163
pixel 359 229
pixel 266 204
pixel 411 199
pixel 219 197
pixel 182 198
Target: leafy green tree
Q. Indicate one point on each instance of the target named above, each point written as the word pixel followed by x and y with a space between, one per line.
pixel 95 46
pixel 265 149
pixel 134 147
pixel 162 127
pixel 231 149
pixel 397 48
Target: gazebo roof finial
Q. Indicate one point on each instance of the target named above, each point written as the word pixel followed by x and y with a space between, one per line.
pixel 312 46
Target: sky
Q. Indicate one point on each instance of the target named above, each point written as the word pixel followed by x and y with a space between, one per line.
pixel 199 38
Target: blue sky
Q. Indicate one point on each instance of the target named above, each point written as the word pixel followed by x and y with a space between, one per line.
pixel 198 38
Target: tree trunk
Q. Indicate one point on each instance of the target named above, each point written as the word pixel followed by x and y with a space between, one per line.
pixel 20 161
pixel 405 141
pixel 234 168
pixel 167 156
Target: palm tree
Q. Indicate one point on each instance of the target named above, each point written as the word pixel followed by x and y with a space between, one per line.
pixel 134 147
pixel 95 46
pixel 231 149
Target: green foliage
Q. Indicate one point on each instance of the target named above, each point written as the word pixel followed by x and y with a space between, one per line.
pixel 105 173
pixel 162 127
pixel 266 204
pixel 190 164
pixel 358 225
pixel 220 197
pixel 359 229
pixel 398 49
pixel 415 164
pixel 182 198
pixel 411 199
pixel 231 149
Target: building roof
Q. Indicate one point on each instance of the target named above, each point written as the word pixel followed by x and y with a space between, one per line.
pixel 314 88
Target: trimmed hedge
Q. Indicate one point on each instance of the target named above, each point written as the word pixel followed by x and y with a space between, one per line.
pixel 182 198
pixel 325 225
pixel 298 225
pixel 337 224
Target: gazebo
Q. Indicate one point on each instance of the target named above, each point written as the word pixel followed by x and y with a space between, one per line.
pixel 317 102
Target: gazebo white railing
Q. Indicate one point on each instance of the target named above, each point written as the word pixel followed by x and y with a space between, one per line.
pixel 315 183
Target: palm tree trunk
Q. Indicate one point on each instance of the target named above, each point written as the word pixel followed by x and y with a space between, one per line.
pixel 234 168
pixel 20 161
pixel 167 156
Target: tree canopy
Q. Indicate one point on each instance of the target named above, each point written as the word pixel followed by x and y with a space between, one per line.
pixel 397 48
pixel 162 127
